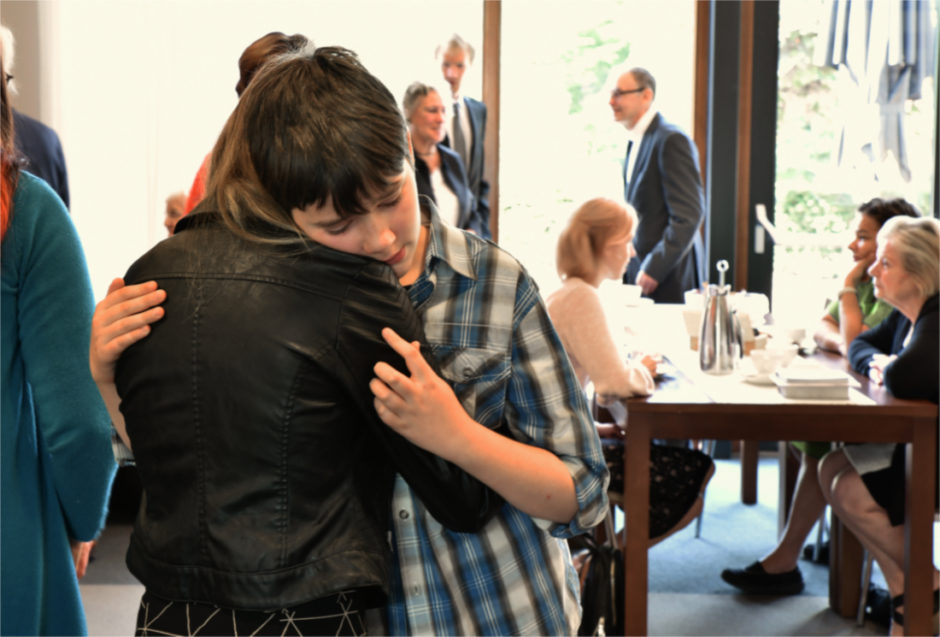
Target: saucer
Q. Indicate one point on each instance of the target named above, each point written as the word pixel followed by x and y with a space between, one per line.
pixel 759 379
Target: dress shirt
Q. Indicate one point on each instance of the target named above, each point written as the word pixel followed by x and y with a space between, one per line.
pixel 447 203
pixel 488 327
pixel 636 137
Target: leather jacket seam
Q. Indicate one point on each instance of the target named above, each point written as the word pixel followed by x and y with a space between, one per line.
pixel 201 480
pixel 283 523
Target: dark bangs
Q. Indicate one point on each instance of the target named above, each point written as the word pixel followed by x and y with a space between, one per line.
pixel 325 128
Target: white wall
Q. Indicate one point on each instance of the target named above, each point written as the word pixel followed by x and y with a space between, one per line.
pixel 138 91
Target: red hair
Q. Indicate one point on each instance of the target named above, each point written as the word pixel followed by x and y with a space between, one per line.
pixel 6 196
pixel 9 167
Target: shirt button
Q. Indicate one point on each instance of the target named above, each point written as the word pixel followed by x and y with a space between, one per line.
pixel 403 514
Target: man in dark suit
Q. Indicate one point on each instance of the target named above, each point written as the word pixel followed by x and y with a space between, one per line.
pixel 466 124
pixel 43 151
pixel 35 141
pixel 663 183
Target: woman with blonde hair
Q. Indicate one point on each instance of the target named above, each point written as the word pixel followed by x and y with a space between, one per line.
pixel 596 245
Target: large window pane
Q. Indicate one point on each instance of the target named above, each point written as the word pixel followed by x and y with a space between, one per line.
pixel 842 140
pixel 559 144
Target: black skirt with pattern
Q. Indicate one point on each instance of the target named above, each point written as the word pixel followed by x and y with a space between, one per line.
pixel 677 475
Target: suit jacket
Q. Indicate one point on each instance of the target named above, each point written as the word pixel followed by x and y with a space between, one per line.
pixel 43 151
pixel 478 185
pixel 469 216
pixel 666 190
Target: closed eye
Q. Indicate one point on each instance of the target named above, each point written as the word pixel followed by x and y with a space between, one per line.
pixel 390 203
pixel 339 228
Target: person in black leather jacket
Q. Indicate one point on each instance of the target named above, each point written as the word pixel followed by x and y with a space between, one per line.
pixel 267 474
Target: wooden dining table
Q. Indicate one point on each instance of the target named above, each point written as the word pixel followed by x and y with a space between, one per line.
pixel 690 404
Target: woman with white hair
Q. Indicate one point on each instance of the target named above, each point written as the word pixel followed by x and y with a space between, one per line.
pixel 865 483
pixel 439 172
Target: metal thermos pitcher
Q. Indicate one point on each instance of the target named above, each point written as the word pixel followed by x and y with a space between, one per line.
pixel 718 341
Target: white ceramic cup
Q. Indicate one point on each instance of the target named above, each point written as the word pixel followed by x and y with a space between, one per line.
pixel 767 361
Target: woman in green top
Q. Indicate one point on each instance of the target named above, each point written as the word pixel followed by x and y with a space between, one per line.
pixel 855 310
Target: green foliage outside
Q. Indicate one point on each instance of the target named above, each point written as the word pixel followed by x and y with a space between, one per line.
pixel 816 197
pixel 814 194
pixel 599 50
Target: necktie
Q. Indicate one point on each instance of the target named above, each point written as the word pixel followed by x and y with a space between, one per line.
pixel 626 163
pixel 460 144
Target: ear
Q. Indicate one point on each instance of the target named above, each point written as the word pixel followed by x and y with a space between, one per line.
pixel 411 147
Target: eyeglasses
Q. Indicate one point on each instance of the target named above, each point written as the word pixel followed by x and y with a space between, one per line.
pixel 617 92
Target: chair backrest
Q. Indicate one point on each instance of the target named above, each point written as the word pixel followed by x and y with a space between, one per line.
pixel 614 413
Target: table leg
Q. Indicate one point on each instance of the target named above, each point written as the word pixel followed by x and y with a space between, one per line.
pixel 919 505
pixel 749 453
pixel 636 511
pixel 845 569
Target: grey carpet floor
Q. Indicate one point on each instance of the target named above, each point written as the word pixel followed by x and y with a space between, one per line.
pixel 687 596
pixel 733 535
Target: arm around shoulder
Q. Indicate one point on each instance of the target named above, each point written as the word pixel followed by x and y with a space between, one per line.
pixel 455 498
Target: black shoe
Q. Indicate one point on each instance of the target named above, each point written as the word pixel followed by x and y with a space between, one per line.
pixel 878 606
pixel 754 579
pixel 898 617
pixel 823 553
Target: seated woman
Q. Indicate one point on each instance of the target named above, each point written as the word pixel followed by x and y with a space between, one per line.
pixel 594 246
pixel 865 483
pixel 439 171
pixel 855 310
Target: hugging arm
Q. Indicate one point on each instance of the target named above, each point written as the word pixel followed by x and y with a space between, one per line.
pixel 456 499
pixel 549 465
pixel 121 319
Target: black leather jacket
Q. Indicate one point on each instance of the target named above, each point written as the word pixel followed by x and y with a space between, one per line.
pixel 267 475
